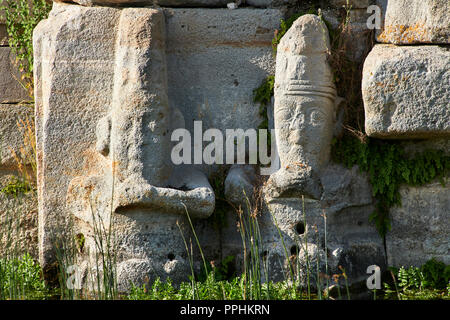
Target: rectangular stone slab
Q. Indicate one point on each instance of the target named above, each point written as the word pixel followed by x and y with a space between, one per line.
pixel 12 119
pixel 406 92
pixel 10 88
pixel 414 21
pixel 420 228
pixel 215 59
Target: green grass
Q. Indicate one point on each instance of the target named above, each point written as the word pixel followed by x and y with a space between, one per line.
pixel 22 279
pixel 212 289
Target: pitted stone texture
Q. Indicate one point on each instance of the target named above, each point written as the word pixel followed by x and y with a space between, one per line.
pixel 406 92
pixel 420 229
pixel 140 140
pixel 414 21
pixel 345 205
pixel 294 181
pixel 10 88
pixel 304 95
pixel 13 118
pixel 135 139
pixel 18 219
pixel 74 55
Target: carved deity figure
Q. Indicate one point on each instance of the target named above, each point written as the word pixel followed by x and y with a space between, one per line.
pixel 138 183
pixel 304 110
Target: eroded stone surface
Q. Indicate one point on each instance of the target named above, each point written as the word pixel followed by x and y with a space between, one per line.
pixel 73 86
pixel 18 219
pixel 344 207
pixel 15 121
pixel 11 89
pixel 304 109
pixel 216 58
pixel 414 21
pixel 406 92
pixel 304 95
pixel 135 141
pixel 420 226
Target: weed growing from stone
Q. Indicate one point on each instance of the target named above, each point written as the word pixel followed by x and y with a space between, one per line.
pixel 388 168
pixel 22 16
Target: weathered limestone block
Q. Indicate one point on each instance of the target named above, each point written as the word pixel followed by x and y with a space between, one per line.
pixel 420 228
pixel 10 88
pixel 321 209
pixel 73 55
pixel 414 21
pixel 216 58
pixel 14 120
pixel 406 92
pixel 304 109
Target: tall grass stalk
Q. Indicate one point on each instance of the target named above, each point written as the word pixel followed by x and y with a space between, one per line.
pixel 252 245
pixel 65 253
pixel 306 248
pixel 105 254
pixel 191 263
pixel 196 239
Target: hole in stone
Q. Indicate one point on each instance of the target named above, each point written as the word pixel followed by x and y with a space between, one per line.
pixel 300 228
pixel 171 256
pixel 294 250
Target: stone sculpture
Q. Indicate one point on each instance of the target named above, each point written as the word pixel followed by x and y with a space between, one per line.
pixel 138 182
pixel 304 108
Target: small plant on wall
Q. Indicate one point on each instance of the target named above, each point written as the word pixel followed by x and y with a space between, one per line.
pixel 21 17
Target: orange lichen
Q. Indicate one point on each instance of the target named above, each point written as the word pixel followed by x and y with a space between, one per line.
pixel 405 34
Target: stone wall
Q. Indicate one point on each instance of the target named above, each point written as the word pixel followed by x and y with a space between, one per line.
pixel 113 80
pixel 406 97
pixel 18 213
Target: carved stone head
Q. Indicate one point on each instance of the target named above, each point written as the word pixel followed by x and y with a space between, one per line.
pixel 304 95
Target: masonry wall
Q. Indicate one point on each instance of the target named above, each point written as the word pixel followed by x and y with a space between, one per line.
pixel 419 227
pixel 18 212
